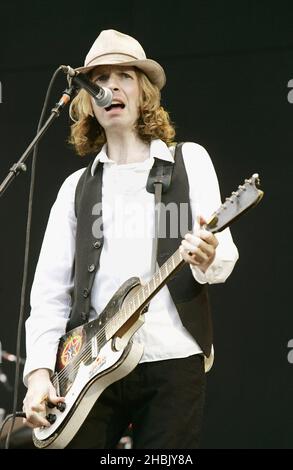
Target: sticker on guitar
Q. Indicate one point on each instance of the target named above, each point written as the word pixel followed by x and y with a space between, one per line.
pixel 71 348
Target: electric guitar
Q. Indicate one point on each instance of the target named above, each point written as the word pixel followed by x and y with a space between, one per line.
pixel 97 354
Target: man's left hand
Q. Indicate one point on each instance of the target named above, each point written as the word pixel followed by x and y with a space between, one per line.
pixel 199 249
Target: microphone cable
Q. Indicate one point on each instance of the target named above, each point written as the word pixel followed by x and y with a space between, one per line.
pixel 17 414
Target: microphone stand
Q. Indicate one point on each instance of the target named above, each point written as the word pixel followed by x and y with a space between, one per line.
pixel 14 171
pixel 20 166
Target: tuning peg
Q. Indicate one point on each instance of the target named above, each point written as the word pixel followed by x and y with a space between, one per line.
pixel 253 180
pixel 256 178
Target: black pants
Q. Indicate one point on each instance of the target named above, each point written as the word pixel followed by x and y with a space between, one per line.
pixel 163 401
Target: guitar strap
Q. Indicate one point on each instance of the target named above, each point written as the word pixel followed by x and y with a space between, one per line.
pixel 158 182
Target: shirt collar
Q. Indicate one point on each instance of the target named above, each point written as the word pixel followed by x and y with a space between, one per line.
pixel 158 149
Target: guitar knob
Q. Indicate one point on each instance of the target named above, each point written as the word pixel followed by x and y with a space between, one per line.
pixel 61 406
pixel 51 418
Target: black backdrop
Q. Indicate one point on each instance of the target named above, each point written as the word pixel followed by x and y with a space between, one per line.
pixel 228 65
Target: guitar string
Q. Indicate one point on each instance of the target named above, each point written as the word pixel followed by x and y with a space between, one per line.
pixel 87 351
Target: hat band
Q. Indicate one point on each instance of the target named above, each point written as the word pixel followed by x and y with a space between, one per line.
pixel 99 57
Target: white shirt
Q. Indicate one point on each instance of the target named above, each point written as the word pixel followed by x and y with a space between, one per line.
pixel 128 224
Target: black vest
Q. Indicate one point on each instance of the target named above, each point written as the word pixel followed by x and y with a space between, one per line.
pixel 190 297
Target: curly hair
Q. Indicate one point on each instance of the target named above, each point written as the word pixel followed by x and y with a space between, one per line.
pixel 87 135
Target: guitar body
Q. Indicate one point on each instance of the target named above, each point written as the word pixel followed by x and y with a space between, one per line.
pixel 87 363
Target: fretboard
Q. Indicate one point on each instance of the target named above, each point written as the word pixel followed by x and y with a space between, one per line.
pixel 144 294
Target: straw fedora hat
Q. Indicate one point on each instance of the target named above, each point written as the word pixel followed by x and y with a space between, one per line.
pixel 112 47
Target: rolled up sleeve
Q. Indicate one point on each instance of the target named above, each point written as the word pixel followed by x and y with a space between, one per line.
pixel 205 199
pixel 53 282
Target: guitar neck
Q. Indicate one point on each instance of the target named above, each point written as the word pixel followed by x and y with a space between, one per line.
pixel 145 293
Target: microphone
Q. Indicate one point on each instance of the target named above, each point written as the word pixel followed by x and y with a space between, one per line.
pixel 102 96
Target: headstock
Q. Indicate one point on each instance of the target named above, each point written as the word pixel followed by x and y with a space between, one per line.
pixel 247 196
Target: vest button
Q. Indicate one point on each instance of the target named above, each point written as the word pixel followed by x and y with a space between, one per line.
pixel 83 316
pixel 85 292
pixel 91 268
pixel 97 244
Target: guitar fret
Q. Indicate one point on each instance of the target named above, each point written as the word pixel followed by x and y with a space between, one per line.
pixel 121 317
pixel 164 268
pixel 132 306
pixel 141 296
pixel 157 278
pixel 127 311
pixel 168 268
pixel 173 261
pixel 151 284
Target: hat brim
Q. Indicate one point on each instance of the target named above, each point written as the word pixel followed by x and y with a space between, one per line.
pixel 150 67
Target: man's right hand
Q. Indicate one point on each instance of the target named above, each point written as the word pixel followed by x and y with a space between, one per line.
pixel 40 392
